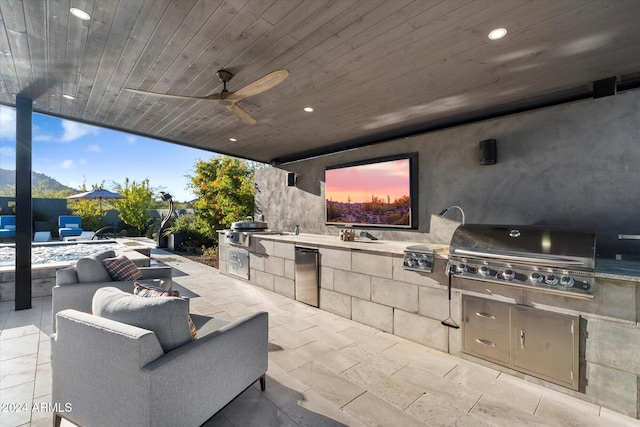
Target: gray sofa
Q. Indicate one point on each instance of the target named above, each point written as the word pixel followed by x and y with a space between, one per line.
pixel 76 285
pixel 109 373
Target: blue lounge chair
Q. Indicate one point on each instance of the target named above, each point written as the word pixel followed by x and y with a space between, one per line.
pixel 7 226
pixel 69 225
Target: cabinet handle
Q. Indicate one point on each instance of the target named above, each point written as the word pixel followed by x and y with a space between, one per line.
pixel 237 262
pixel 485 342
pixel 521 338
pixel 485 315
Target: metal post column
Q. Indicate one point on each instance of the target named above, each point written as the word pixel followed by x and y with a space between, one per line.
pixel 24 209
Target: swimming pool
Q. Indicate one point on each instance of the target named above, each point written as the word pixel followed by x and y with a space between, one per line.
pixel 56 252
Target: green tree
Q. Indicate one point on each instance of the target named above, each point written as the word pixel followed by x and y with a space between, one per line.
pixel 225 189
pixel 134 208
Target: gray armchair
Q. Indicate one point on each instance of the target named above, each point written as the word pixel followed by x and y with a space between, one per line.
pixel 76 285
pixel 108 373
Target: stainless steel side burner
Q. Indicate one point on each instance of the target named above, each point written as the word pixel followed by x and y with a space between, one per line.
pixel 559 260
pixel 418 258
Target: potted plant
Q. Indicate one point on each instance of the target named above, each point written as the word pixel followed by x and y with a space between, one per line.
pixel 184 234
pixel 40 220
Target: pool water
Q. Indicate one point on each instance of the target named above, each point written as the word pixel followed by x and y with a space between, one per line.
pixel 56 252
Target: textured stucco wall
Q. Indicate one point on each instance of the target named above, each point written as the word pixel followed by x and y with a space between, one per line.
pixel 575 164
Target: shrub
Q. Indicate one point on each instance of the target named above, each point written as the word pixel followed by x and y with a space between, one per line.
pixel 134 208
pixel 191 225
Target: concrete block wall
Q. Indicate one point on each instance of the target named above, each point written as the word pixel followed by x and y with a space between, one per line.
pixel 43 279
pixel 373 289
pixel 271 266
pixel 370 288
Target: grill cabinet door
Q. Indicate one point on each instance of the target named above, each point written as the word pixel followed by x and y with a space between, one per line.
pixel 546 345
pixel 238 262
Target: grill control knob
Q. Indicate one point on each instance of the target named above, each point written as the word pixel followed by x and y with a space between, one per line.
pixel 508 274
pixel 536 278
pixel 484 270
pixel 566 281
pixel 550 279
pixel 462 268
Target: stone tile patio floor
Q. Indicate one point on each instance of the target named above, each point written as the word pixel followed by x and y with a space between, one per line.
pixel 324 370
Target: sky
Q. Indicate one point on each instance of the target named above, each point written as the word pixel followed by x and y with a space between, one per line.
pixel 74 153
pixel 360 182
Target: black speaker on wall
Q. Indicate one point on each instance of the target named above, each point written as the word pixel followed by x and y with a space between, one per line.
pixel 291 179
pixel 488 152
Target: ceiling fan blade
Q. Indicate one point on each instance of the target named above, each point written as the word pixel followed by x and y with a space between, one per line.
pixel 260 85
pixel 241 114
pixel 214 97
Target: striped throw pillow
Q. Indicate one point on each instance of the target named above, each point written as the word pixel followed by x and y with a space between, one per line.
pixel 148 291
pixel 122 268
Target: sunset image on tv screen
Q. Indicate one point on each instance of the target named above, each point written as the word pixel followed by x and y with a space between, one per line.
pixel 372 194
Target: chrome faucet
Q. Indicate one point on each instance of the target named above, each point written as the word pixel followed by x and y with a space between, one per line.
pixel 446 211
pixel 367 235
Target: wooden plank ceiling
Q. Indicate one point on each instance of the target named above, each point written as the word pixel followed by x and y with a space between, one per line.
pixel 371 69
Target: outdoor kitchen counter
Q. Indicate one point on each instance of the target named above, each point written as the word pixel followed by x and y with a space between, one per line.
pixel 605 268
pixel 380 246
pixel 618 270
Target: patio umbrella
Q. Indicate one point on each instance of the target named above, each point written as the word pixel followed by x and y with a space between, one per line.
pixel 99 194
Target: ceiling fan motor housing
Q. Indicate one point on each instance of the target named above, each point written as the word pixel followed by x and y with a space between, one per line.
pixel 224 75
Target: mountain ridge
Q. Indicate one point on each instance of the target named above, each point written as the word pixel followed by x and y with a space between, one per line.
pixel 38 180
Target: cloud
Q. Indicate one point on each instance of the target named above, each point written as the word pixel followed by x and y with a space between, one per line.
pixel 7 152
pixel 73 130
pixel 7 123
pixel 67 164
pixel 38 135
pixel 94 148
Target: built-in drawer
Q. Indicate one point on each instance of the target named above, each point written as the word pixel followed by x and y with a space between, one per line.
pixel 486 314
pixel 487 344
pixel 504 293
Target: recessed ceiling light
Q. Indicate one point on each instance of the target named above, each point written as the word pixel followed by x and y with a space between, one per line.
pixel 79 13
pixel 68 96
pixel 232 139
pixel 308 109
pixel 498 33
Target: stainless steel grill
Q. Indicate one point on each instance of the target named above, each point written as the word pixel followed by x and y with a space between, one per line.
pixel 559 260
pixel 242 230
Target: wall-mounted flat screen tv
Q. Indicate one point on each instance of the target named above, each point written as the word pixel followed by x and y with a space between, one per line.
pixel 376 193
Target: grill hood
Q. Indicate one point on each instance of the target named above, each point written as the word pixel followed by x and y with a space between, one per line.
pixel 540 245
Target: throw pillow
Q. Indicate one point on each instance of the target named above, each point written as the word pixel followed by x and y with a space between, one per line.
pixel 165 316
pixel 122 268
pixel 148 291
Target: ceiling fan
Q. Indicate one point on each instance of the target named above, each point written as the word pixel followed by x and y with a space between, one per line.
pixel 229 99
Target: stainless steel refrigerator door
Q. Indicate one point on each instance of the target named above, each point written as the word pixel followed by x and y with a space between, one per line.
pixel 306 272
